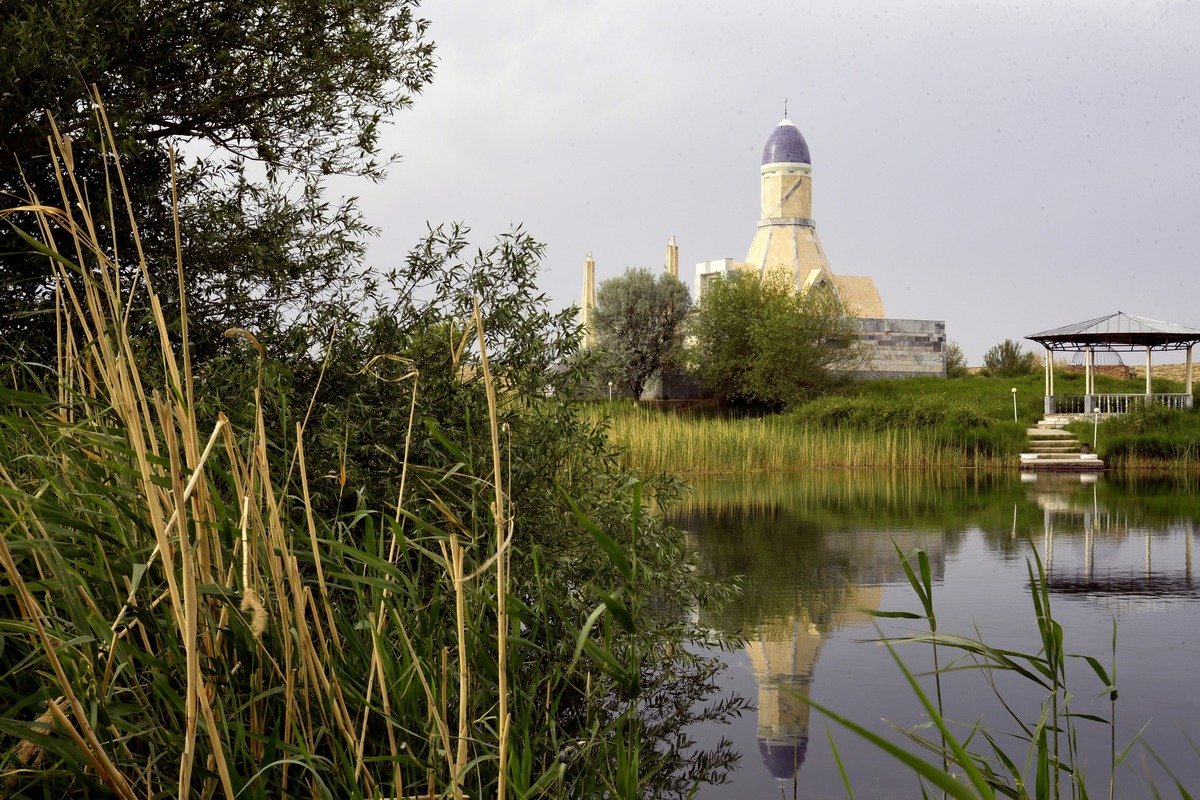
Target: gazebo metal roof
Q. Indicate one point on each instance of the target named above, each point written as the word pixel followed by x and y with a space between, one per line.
pixel 1119 331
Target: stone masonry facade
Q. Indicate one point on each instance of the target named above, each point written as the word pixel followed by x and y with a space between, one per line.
pixel 903 348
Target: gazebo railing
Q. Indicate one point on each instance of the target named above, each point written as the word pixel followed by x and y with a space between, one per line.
pixel 1118 403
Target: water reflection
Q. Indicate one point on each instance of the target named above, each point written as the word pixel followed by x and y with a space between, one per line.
pixel 1072 509
pixel 784 654
pixel 816 549
pixel 812 555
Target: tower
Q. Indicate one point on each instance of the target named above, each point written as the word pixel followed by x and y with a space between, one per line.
pixel 587 308
pixel 785 242
pixel 786 237
pixel 672 261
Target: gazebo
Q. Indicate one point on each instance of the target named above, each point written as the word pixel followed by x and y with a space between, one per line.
pixel 1119 332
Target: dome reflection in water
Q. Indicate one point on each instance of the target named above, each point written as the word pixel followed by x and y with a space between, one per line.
pixel 815 550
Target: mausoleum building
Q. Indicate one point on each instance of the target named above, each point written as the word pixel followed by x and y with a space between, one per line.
pixel 786 238
pixel 785 243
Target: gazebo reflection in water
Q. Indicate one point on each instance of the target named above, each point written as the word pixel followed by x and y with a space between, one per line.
pixel 1071 509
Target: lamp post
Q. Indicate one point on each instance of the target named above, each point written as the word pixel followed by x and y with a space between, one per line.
pixel 610 391
pixel 1014 391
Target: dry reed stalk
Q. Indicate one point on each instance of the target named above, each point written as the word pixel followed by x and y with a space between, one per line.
pixel 499 516
pixel 457 562
pixel 84 736
pixel 376 668
pixel 312 535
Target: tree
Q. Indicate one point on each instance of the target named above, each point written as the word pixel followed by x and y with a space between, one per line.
pixel 402 433
pixel 759 342
pixel 266 98
pixel 1009 359
pixel 639 324
pixel 956 362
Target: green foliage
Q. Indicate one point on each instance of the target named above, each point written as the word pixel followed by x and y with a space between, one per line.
pixel 988 396
pixel 1148 435
pixel 947 421
pixel 378 567
pixel 1009 359
pixel 956 361
pixel 876 413
pixel 265 99
pixel 980 761
pixel 639 325
pixel 760 343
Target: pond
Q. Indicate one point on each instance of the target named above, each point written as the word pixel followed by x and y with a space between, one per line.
pixel 816 550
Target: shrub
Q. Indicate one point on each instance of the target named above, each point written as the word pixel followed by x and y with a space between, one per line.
pixel 1010 359
pixel 956 361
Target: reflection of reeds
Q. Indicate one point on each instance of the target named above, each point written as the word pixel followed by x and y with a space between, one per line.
pixel 659 442
pixel 872 493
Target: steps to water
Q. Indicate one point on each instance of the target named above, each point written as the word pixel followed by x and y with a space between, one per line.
pixel 1049 447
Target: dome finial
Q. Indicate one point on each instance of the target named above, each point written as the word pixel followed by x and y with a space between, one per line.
pixel 785 108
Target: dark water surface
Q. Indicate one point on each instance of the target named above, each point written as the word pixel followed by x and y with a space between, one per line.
pixel 816 549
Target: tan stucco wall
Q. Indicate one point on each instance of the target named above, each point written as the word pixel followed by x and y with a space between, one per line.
pixel 783 245
pixel 785 195
pixel 859 296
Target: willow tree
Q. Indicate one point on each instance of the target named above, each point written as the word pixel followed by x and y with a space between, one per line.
pixel 639 325
pixel 264 99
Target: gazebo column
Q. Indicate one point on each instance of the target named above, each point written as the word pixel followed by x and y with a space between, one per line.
pixel 1051 400
pixel 1187 378
pixel 1048 402
pixel 1147 370
pixel 1089 368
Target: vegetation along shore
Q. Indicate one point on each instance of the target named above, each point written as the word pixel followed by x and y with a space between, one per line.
pixel 377 564
pixel 961 422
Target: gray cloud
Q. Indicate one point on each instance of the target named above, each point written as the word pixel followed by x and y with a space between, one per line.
pixel 1005 167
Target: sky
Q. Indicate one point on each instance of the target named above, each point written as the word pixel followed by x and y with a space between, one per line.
pixel 1007 167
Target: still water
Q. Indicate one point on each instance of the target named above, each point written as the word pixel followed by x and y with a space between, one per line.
pixel 816 550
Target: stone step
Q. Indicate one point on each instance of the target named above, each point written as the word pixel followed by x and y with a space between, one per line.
pixel 1048 433
pixel 1076 456
pixel 1053 447
pixel 1062 465
pixel 1028 459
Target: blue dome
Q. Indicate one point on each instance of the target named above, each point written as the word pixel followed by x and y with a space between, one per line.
pixel 783 758
pixel 786 145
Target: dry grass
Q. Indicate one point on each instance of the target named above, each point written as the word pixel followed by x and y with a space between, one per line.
pixel 664 442
pixel 177 621
pixel 256 611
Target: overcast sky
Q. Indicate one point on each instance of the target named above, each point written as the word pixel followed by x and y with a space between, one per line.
pixel 1007 167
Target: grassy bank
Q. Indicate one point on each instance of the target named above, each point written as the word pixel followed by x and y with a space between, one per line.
pixel 902 424
pixel 662 441
pixel 1150 438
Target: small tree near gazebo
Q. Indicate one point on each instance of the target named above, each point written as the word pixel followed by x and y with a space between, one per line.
pixel 1115 332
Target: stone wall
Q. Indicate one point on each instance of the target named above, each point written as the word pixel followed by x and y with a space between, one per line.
pixel 895 348
pixel 903 348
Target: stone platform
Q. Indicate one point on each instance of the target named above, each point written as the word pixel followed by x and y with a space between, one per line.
pixel 1052 449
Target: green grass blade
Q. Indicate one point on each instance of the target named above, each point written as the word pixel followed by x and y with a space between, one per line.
pixel 931 772
pixel 837 759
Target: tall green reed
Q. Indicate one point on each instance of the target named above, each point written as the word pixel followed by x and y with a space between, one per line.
pixel 980 762
pixel 658 441
pixel 178 619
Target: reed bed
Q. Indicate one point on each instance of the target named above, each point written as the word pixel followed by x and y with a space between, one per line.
pixel 657 441
pixel 178 619
pixel 1148 438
